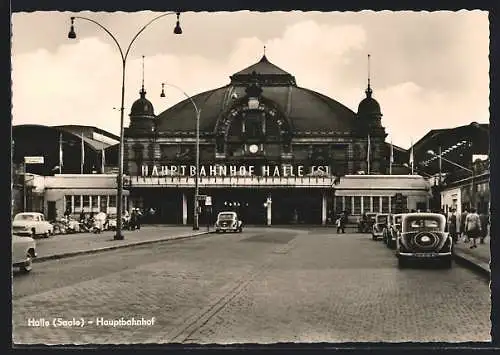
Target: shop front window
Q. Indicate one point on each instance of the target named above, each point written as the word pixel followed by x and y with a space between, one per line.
pixel 67 204
pixel 86 201
pixel 357 205
pixel 385 204
pixel 112 201
pixel 77 203
pixel 366 204
pixel 94 202
pixel 376 204
pixel 348 204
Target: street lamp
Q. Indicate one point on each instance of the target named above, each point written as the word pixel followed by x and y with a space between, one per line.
pixel 124 56
pixel 197 161
pixel 431 152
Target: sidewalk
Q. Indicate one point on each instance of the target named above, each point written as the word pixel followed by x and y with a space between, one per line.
pixel 478 257
pixel 60 246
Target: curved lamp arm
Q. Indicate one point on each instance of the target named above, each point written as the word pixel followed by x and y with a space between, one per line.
pixel 142 30
pixel 185 94
pixel 123 55
pixel 105 30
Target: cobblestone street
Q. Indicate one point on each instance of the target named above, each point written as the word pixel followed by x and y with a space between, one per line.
pixel 264 285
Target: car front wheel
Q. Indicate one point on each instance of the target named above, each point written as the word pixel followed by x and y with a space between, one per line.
pixel 28 264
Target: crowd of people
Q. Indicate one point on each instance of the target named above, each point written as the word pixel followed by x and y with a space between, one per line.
pixel 98 222
pixel 469 226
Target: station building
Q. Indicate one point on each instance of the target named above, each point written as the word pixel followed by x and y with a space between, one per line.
pixel 271 150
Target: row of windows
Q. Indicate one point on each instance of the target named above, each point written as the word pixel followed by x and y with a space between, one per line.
pixel 90 203
pixel 359 204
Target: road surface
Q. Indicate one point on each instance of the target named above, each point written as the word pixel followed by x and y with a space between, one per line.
pixel 264 285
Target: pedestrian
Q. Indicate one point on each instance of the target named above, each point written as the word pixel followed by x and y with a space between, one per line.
pixel 339 224
pixel 342 222
pixel 452 226
pixel 483 217
pixel 463 217
pixel 138 218
pixel 473 227
pixel 133 219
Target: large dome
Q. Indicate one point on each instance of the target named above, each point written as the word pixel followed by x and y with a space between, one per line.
pixel 307 111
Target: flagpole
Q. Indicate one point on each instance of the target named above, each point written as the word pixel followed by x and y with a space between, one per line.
pixel 83 156
pixel 60 153
pixel 102 161
pixel 411 157
pixel 368 158
pixel 391 159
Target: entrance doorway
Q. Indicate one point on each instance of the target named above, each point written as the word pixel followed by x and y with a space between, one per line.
pixel 51 210
pixel 247 203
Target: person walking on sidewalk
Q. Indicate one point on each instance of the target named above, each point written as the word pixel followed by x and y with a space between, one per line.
pixel 473 227
pixel 452 226
pixel 461 231
pixel 483 217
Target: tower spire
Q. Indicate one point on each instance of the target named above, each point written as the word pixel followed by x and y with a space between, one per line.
pixel 368 89
pixel 143 92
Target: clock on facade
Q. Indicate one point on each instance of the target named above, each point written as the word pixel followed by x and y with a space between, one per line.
pixel 254 148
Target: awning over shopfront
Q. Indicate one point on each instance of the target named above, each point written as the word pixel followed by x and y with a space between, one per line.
pixel 86 191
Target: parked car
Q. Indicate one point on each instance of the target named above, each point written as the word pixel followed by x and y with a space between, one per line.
pixel 228 221
pixel 423 237
pixel 379 225
pixel 365 226
pixel 23 252
pixel 31 224
pixel 392 229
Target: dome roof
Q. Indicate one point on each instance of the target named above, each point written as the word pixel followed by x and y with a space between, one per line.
pixel 306 110
pixel 142 106
pixel 369 106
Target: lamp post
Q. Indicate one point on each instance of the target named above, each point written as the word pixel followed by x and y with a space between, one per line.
pixel 471 171
pixel 196 225
pixel 124 56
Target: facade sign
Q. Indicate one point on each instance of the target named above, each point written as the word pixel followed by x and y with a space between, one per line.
pixel 236 170
pixel 33 160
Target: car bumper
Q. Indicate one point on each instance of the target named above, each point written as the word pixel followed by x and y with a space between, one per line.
pixel 425 255
pixel 378 234
pixel 22 232
pixel 226 228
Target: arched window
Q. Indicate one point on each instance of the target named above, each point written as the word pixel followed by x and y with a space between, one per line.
pixel 253 125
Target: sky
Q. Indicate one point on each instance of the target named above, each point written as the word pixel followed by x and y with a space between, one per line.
pixel 429 70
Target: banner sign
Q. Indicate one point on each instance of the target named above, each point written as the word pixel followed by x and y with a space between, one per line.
pixel 236 170
pixel 33 160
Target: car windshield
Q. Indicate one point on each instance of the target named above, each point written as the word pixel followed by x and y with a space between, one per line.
pixel 24 217
pixel 226 216
pixel 423 223
pixel 382 219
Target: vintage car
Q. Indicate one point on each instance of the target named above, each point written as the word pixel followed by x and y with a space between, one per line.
pixel 228 221
pixel 366 225
pixel 31 224
pixel 23 252
pixel 392 229
pixel 423 237
pixel 379 225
